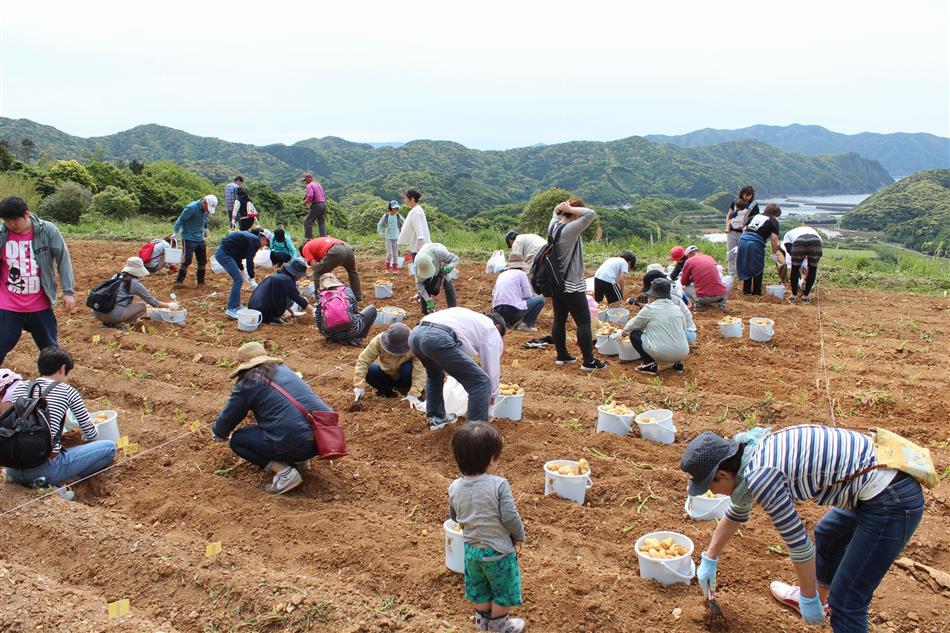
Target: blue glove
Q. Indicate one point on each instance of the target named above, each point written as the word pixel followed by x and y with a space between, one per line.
pixel 813 612
pixel 706 575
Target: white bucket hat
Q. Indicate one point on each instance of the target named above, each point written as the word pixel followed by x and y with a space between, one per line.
pixel 135 267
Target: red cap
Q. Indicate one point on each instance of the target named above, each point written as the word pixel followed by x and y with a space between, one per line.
pixel 677 253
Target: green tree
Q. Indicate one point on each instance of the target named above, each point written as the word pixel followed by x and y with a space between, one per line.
pixel 8 161
pixel 66 204
pixel 537 213
pixel 136 166
pixel 66 171
pixel 108 175
pixel 155 198
pixel 114 202
pixel 265 198
pixel 186 185
pixel 28 149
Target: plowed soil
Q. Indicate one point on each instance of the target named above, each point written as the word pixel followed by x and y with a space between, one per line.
pixel 359 547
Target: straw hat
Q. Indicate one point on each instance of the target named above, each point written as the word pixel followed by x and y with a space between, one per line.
pixel 251 355
pixel 135 267
pixel 516 260
pixel 329 280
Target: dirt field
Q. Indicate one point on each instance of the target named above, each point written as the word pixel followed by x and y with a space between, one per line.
pixel 359 547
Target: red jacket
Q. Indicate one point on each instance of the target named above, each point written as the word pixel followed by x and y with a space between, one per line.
pixel 316 249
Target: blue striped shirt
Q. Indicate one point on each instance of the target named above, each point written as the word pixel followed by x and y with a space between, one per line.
pixel 798 463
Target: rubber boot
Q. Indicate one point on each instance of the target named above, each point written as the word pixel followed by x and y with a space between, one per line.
pixel 201 275
pixel 387 267
pixel 180 279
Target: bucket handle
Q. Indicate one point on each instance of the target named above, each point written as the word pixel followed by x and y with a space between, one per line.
pixel 590 483
pixel 686 577
pixel 698 517
pixel 174 242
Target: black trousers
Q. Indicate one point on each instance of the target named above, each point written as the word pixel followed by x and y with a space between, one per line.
pixel 573 304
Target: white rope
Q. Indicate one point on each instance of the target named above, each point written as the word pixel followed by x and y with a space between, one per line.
pixel 824 360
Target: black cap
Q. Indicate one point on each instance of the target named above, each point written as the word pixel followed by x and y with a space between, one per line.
pixel 661 288
pixel 650 276
pixel 511 235
pixel 702 457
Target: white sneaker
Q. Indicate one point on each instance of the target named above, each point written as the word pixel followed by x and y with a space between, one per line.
pixel 521 327
pixel 788 596
pixel 284 481
pixel 7 479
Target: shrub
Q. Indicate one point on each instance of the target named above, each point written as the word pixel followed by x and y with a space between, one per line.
pixel 66 171
pixel 19 184
pixel 155 198
pixel 265 198
pixel 106 174
pixel 537 213
pixel 113 202
pixel 66 204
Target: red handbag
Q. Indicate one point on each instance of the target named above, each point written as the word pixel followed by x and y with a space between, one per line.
pixel 327 432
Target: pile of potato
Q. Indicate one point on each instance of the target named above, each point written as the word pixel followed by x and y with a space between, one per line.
pixel 99 419
pixel 617 409
pixel 580 467
pixel 726 320
pixel 606 329
pixel 511 390
pixel 760 321
pixel 382 282
pixel 709 494
pixel 457 528
pixel 665 549
pixel 393 310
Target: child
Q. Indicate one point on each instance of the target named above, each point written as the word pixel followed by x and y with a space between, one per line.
pixel 482 504
pixel 388 228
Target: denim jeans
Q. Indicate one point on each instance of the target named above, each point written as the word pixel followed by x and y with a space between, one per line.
pixel 855 548
pixel 250 443
pixel 71 464
pixel 575 305
pixel 384 383
pixel 41 325
pixel 513 315
pixel 440 352
pixel 230 265
pixel 690 336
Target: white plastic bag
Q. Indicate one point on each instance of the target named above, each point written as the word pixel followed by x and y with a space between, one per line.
pixel 455 397
pixel 262 259
pixel 496 263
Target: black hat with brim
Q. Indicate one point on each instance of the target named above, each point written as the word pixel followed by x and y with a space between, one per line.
pixel 702 458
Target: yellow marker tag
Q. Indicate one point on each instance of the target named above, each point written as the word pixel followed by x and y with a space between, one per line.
pixel 123 442
pixel 131 449
pixel 514 363
pixel 212 549
pixel 119 608
pixel 96 338
pixel 195 426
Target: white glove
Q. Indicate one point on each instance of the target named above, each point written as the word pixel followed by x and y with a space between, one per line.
pixel 173 305
pixel 415 403
pixel 358 393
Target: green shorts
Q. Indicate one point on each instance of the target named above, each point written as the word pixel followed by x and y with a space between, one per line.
pixel 492 577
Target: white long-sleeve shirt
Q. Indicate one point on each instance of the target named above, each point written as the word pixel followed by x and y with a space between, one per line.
pixel 478 337
pixel 415 230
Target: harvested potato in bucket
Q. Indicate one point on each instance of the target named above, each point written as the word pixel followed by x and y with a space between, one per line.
pixel 662 549
pixel 580 467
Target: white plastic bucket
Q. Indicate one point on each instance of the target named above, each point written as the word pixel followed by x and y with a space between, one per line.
pixel 216 266
pixel 387 318
pixel 731 330
pixel 619 316
pixel 173 253
pixel 670 571
pixel 509 407
pixel 661 430
pixel 454 547
pixel 589 283
pixel 399 262
pixel 761 332
pixel 383 291
pixel 108 428
pixel 572 487
pixel 308 291
pixel 613 422
pixel 606 345
pixel 168 316
pixel 700 508
pixel 412 269
pixel 626 350
pixel 775 290
pixel 262 258
pixel 602 315
pixel 248 320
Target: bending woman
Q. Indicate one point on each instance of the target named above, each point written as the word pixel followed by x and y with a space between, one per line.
pixel 750 261
pixel 125 310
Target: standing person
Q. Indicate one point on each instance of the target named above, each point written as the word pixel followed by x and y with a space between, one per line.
pixel 324 254
pixel 279 292
pixel 32 251
pixel 235 248
pixel 742 209
pixel 9 379
pixel 610 277
pixel 388 228
pixel 244 211
pixel 153 254
pixel 282 249
pixel 54 365
pixel 446 342
pixel 527 245
pixel 281 439
pixel 316 200
pixel 876 510
pixel 230 194
pixel 803 246
pixel 569 220
pixel 130 286
pixel 701 280
pixel 658 332
pixel 415 230
pixel 750 260
pixel 192 224
pixel 512 297
pixel 434 262
pixel 482 504
pixel 388 364
pixel 337 312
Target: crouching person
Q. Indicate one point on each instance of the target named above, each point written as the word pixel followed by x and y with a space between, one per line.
pixel 446 342
pixel 281 439
pixel 337 313
pixel 658 332
pixel 387 364
pixel 125 309
pixel 278 293
pixel 62 465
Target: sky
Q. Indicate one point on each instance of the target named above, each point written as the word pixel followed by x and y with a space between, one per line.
pixel 487 74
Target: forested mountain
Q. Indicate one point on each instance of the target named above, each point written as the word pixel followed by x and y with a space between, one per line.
pixel 914 211
pixel 899 153
pixel 460 180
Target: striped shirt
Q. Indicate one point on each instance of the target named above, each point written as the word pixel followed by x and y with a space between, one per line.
pixel 59 400
pixel 798 463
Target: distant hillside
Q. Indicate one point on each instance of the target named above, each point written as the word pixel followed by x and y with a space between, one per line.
pixel 460 180
pixel 899 153
pixel 914 211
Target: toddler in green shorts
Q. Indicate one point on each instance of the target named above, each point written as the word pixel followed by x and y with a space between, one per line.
pixel 482 504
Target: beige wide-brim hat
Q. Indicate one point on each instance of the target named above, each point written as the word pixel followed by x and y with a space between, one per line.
pixel 136 267
pixel 329 280
pixel 516 260
pixel 250 355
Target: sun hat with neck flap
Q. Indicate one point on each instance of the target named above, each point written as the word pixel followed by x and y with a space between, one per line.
pixel 250 355
pixel 135 267
pixel 395 340
pixel 516 260
pixel 329 280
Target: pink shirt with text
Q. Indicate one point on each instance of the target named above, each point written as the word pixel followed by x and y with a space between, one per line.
pixel 21 290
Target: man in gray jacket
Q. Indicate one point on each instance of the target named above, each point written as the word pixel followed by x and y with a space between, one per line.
pixel 28 248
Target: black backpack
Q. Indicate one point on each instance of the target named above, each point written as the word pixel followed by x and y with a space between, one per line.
pixel 102 297
pixel 545 275
pixel 25 437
